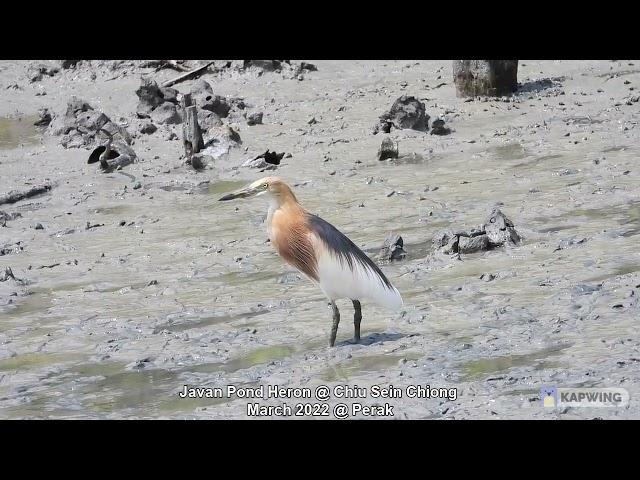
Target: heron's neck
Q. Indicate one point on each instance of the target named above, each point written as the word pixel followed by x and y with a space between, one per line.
pixel 285 201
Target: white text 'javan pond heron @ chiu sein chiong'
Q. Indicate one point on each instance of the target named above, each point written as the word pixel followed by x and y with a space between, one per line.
pixel 321 252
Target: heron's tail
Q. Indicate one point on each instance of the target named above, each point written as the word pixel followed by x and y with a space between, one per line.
pixel 388 297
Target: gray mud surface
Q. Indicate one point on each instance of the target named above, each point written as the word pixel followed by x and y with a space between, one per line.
pixel 126 294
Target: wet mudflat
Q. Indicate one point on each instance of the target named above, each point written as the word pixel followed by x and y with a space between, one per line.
pixel 127 294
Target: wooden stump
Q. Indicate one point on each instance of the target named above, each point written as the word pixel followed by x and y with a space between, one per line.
pixel 493 78
pixel 191 133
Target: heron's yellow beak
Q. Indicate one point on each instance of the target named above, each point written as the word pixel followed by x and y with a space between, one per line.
pixel 240 193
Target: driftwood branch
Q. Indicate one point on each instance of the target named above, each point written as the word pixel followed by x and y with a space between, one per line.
pixel 15 196
pixel 187 75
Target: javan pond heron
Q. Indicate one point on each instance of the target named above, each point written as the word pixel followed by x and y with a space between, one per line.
pixel 321 252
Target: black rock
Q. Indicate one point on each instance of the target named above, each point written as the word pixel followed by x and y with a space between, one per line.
pixel 226 133
pixel 204 98
pixel 63 124
pixel 272 157
pixel 442 238
pixel 473 244
pixel 166 114
pixel 254 118
pixel 500 229
pixel 66 64
pixel 45 118
pixel 207 120
pixel 388 149
pixel 37 72
pixel 150 96
pixel 80 124
pixel 220 140
pixel 198 160
pixel 393 248
pixel 438 128
pixel 92 121
pixel 148 128
pixel 497 231
pixel 75 105
pixel 237 103
pixel 406 112
pixel 169 94
pixel 265 161
pixel 266 65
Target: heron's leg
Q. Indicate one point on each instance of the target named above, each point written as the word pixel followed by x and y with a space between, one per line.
pixel 336 321
pixel 357 317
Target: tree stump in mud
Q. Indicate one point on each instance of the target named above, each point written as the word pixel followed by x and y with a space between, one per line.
pixel 191 133
pixel 493 78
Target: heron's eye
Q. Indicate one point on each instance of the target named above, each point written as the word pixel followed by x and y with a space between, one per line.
pixel 265 185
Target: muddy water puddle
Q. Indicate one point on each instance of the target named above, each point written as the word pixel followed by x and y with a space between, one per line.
pixel 36 303
pixel 364 365
pixel 493 365
pixel 259 356
pixel 16 132
pixel 509 151
pixel 225 186
pixel 34 360
pixel 109 388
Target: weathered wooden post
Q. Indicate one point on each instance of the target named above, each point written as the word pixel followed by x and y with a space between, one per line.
pixel 191 133
pixel 493 78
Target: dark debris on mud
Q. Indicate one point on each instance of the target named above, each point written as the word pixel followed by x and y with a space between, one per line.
pixel 496 231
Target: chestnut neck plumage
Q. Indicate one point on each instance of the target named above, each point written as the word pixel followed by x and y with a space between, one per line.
pixel 285 200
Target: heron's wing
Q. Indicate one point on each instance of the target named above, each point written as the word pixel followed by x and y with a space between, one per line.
pixel 345 270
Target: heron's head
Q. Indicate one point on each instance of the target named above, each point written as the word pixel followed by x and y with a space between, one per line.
pixel 273 187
